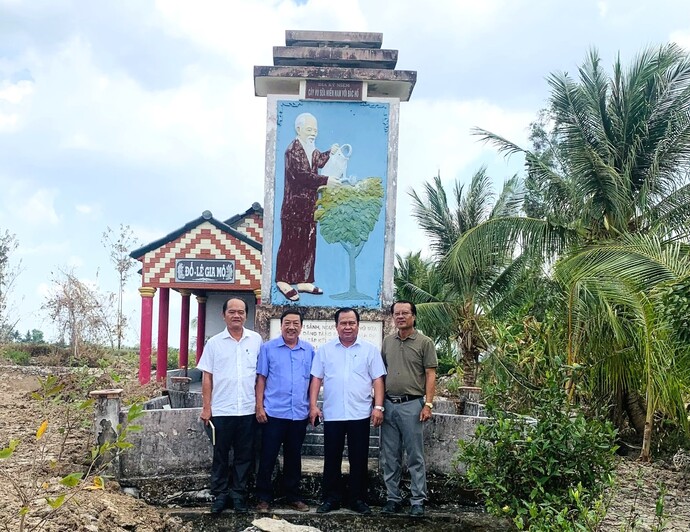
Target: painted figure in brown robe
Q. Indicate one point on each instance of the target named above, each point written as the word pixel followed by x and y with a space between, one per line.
pixel 297 252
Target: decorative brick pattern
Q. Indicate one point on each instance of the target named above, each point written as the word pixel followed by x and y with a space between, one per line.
pixel 205 242
pixel 252 226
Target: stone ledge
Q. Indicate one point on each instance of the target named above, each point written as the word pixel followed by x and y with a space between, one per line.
pixel 381 82
pixel 352 39
pixel 329 56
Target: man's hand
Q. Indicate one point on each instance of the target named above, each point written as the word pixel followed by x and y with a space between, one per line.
pixel 314 412
pixel 261 416
pixel 376 417
pixel 335 148
pixel 425 414
pixel 205 414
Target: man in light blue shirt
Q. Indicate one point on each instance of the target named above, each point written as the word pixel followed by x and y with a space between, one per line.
pixel 282 407
pixel 348 368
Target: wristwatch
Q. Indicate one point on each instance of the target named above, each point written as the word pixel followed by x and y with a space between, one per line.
pixel 382 409
pixel 430 405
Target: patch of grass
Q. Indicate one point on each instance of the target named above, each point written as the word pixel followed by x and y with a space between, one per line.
pixel 16 356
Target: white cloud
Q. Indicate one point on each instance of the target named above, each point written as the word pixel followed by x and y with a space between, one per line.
pixel 51 248
pixel 8 122
pixel 435 136
pixel 84 209
pixel 75 261
pixel 43 290
pixel 682 38
pixel 91 211
pixel 39 208
pixel 603 8
pixel 13 104
pixel 14 93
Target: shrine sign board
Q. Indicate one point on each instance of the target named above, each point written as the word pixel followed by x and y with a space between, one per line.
pixel 333 90
pixel 205 271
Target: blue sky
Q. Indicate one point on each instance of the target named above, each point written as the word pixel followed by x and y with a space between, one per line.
pixel 143 112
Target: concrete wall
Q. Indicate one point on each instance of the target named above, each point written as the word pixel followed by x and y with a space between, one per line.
pixel 441 435
pixel 172 442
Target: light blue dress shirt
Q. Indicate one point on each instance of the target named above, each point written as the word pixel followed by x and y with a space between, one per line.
pixel 287 373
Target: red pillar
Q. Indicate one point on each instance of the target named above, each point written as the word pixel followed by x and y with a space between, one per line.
pixel 200 326
pixel 184 329
pixel 162 351
pixel 147 293
pixel 257 295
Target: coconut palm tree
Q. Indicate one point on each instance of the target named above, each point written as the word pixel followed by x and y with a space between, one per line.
pixel 456 306
pixel 615 191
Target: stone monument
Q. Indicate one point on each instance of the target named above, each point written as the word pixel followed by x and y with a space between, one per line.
pixel 333 102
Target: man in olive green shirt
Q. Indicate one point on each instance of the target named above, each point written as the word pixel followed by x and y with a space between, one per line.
pixel 411 362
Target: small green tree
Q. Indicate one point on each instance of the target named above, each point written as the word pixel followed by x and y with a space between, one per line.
pixel 546 472
pixel 60 413
pixel 34 336
pixel 120 244
pixel 347 214
pixel 8 275
pixel 80 311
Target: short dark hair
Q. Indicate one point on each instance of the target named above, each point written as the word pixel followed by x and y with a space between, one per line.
pixel 225 305
pixel 412 306
pixel 345 309
pixel 295 311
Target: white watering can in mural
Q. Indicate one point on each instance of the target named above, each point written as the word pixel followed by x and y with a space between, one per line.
pixel 336 166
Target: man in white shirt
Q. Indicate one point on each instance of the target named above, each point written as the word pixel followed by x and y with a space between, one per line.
pixel 348 368
pixel 227 389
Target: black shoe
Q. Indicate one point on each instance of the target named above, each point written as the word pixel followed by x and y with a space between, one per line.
pixel 360 507
pixel 391 507
pixel 220 504
pixel 417 510
pixel 327 506
pixel 241 506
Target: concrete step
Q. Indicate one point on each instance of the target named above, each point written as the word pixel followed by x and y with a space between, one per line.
pixel 449 518
pixel 315 449
pixel 194 492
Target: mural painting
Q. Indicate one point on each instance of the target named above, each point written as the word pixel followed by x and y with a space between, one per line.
pixel 330 183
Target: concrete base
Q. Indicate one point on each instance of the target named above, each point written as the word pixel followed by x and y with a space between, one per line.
pixel 171 459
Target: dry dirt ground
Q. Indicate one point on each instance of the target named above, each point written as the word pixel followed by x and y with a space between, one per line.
pixel 36 466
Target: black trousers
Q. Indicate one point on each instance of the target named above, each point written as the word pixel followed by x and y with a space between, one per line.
pixel 290 434
pixel 234 433
pixel 357 434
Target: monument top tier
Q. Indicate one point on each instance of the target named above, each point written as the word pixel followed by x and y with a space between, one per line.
pixel 334 56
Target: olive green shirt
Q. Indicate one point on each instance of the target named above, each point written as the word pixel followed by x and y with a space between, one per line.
pixel 406 361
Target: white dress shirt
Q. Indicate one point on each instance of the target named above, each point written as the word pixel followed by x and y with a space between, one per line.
pixel 233 366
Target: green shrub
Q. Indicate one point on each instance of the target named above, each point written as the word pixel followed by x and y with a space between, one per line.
pixel 17 356
pixel 548 472
pixel 446 365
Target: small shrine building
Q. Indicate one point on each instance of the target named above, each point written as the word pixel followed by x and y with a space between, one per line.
pixel 209 259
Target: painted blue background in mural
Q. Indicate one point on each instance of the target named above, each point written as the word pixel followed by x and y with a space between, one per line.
pixel 365 127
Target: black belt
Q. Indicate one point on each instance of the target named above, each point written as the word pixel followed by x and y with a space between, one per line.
pixel 402 398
